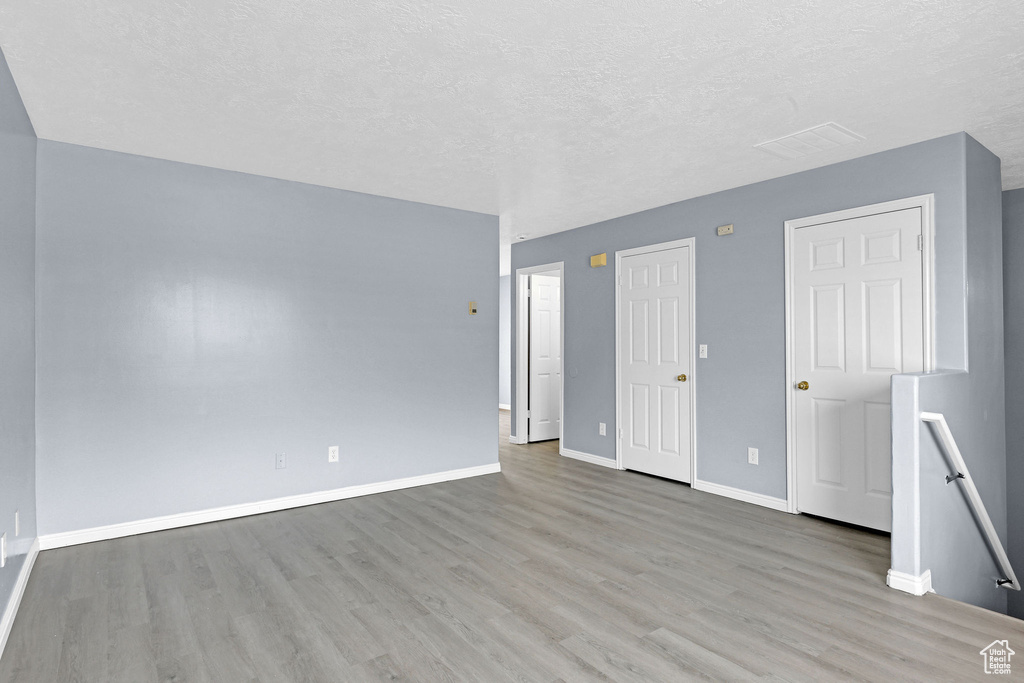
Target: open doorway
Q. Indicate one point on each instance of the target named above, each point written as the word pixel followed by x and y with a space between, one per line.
pixel 539 346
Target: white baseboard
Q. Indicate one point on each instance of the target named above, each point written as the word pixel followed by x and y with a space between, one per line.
pixel 7 619
pixel 504 406
pixel 512 438
pixel 145 526
pixel 587 457
pixel 908 583
pixel 739 494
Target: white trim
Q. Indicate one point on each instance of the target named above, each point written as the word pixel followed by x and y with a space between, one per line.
pixel 520 378
pixel 739 494
pixel 512 438
pixel 587 457
pixel 908 583
pixel 144 526
pixel 504 406
pixel 690 242
pixel 924 202
pixel 7 620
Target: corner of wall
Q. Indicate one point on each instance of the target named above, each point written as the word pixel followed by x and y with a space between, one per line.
pixel 1013 331
pixel 18 211
pixel 906 476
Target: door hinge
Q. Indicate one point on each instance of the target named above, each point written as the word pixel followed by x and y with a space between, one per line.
pixel 620 432
pixel 920 242
pixel 527 413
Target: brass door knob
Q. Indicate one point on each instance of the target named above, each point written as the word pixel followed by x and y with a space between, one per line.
pixel 681 378
pixel 803 386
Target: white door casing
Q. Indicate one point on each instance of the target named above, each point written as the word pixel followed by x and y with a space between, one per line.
pixel 654 360
pixel 520 371
pixel 858 302
pixel 545 357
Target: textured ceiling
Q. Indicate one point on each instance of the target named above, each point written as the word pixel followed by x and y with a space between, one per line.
pixel 551 114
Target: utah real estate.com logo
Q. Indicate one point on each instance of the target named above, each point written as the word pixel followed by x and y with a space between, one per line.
pixel 997 657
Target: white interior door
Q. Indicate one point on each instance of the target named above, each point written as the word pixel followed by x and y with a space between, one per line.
pixel 654 363
pixel 545 357
pixel 857 318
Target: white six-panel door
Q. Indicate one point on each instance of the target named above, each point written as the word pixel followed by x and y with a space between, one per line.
pixel 857 317
pixel 654 363
pixel 545 358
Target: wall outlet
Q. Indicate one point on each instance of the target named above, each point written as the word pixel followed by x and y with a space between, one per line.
pixel 751 456
pixel 602 429
pixel 332 454
pixel 3 550
pixel 17 523
pixel 281 461
pixel 703 350
pixel 724 230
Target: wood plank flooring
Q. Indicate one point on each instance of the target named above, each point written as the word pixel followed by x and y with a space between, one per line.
pixel 553 570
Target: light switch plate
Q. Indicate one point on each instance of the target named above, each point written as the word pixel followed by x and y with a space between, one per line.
pixel 472 308
pixel 724 230
pixel 602 429
pixel 703 350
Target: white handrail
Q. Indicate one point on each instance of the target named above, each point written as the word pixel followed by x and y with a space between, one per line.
pixel 973 497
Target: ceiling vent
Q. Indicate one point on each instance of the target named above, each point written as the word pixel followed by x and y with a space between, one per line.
pixel 810 141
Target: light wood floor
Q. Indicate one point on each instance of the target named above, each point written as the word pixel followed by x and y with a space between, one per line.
pixel 552 570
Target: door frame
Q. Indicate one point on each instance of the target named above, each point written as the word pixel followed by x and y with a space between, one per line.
pixel 924 202
pixel 619 255
pixel 521 377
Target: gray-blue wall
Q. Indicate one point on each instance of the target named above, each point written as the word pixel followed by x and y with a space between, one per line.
pixel 192 323
pixel 952 546
pixel 505 340
pixel 17 333
pixel 740 308
pixel 1013 309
